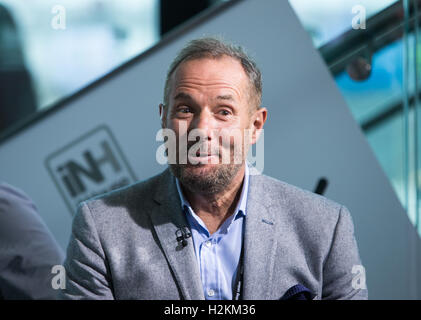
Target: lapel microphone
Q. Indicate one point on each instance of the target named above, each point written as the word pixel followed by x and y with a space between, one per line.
pixel 182 234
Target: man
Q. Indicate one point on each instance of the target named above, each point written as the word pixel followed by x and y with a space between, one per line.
pixel 17 96
pixel 208 228
pixel 28 251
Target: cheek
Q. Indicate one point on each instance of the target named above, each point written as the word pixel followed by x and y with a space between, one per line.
pixel 232 138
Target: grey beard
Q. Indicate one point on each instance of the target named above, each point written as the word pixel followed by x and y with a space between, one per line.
pixel 212 183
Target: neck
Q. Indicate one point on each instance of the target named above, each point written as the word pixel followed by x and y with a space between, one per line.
pixel 214 209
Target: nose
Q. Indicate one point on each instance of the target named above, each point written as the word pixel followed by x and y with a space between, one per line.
pixel 204 123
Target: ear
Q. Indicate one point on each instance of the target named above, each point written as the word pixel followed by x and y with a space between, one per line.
pixel 163 115
pixel 258 120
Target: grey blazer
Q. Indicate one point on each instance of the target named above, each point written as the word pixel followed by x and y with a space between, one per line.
pixel 28 250
pixel 123 245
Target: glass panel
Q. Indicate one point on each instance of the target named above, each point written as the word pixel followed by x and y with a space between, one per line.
pixel 378 104
pixel 50 51
pixel 327 19
pixel 378 79
pixel 417 108
pixel 383 88
pixel 68 46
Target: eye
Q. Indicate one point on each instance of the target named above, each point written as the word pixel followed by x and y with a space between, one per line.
pixel 184 109
pixel 224 112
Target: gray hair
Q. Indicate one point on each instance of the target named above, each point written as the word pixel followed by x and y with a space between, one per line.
pixel 212 47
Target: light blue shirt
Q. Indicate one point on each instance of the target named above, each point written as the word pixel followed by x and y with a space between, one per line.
pixel 218 255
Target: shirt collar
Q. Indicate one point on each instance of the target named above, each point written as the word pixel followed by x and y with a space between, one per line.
pixel 241 205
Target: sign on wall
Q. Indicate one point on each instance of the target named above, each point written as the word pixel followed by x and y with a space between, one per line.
pixel 90 165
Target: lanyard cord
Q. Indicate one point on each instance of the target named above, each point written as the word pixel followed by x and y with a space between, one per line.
pixel 237 290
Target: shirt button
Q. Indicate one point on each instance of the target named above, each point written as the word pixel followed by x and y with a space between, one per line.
pixel 208 244
pixel 211 293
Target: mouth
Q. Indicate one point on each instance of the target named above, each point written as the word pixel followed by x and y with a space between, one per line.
pixel 202 157
pixel 204 154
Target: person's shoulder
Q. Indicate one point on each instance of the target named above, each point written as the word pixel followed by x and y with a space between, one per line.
pixel 301 204
pixel 310 216
pixel 292 192
pixel 137 194
pixel 23 229
pixel 14 201
pixel 11 193
pixel 121 209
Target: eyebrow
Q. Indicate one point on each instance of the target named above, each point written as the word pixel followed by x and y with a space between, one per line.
pixel 226 97
pixel 183 95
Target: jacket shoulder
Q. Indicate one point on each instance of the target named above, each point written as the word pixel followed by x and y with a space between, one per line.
pixel 133 196
pixel 293 194
pixel 299 207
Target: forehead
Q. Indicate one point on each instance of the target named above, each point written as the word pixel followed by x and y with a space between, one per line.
pixel 210 72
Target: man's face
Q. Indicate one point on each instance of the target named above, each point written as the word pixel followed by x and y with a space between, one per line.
pixel 210 98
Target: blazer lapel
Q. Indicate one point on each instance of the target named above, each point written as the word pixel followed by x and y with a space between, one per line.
pixel 167 219
pixel 259 243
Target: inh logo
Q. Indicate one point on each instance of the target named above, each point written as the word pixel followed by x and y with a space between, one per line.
pixel 72 172
pixel 91 165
